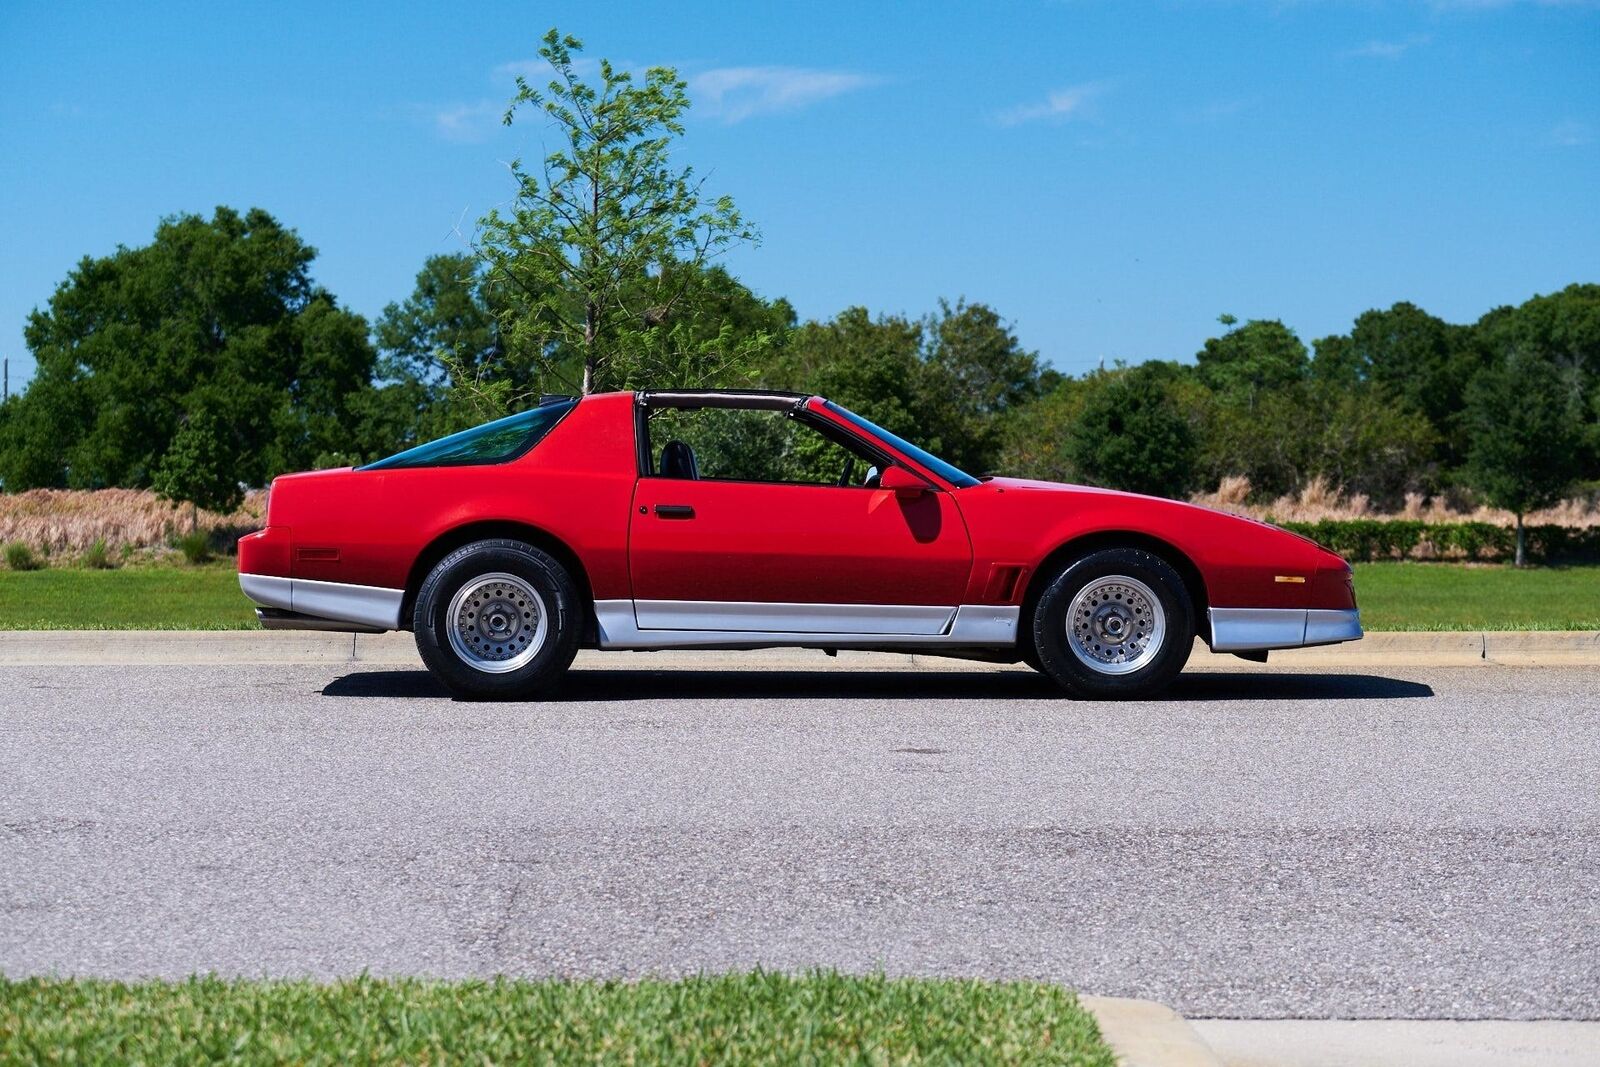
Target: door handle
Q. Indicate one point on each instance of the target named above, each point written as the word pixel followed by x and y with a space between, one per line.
pixel 674 511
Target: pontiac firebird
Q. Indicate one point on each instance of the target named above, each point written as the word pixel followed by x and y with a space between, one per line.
pixel 589 523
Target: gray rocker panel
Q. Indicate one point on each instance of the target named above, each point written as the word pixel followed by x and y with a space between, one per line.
pixel 967 625
pixel 748 616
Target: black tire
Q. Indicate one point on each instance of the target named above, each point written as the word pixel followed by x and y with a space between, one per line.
pixel 529 661
pixel 1112 574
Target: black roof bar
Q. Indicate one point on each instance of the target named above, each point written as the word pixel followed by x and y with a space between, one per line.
pixel 722 398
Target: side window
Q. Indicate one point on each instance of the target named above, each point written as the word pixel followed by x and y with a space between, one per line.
pixel 741 445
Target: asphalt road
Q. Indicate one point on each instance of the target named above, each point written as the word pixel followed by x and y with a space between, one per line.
pixel 1418 843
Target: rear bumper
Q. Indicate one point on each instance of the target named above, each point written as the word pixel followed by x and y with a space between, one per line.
pixel 316 604
pixel 1261 629
pixel 278 619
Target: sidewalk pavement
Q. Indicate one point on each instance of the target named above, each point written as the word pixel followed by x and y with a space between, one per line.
pixel 69 647
pixel 1399 1042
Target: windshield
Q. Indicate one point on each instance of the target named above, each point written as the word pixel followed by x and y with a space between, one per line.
pixel 493 442
pixel 954 475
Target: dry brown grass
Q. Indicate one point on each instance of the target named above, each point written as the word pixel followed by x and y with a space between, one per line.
pixel 1319 501
pixel 66 522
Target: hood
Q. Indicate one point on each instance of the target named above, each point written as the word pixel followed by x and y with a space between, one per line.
pixel 1068 490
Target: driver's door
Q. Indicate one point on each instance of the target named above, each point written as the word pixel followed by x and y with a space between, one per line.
pixel 729 554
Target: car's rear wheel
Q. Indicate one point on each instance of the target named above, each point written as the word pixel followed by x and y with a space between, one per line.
pixel 499 620
pixel 1116 623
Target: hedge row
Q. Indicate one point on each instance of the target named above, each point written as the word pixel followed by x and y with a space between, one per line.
pixel 1373 539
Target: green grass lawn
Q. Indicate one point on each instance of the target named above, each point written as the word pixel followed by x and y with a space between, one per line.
pixel 1393 596
pixel 133 598
pixel 733 1019
pixel 1448 596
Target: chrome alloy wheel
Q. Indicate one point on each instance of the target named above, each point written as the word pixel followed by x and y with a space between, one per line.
pixel 1116 625
pixel 497 623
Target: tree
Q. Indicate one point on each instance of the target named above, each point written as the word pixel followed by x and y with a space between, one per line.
pixel 216 316
pixel 1524 433
pixel 1422 361
pixel 949 382
pixel 446 322
pixel 1033 438
pixel 446 332
pixel 1249 360
pixel 1131 433
pixel 981 375
pixel 595 250
pixel 198 467
pixel 1565 328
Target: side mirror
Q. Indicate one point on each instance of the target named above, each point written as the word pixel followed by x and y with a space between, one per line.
pixel 902 482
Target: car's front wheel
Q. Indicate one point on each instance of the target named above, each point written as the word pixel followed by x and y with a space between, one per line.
pixel 1117 623
pixel 498 619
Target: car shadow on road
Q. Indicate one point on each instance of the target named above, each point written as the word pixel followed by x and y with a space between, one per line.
pixel 606 685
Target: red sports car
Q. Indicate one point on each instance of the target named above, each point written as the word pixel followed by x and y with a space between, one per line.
pixel 740 520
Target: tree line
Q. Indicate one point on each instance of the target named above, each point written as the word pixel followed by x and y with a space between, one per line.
pixel 210 358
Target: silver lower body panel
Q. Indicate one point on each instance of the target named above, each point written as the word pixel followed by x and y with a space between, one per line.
pixel 366 607
pixel 278 619
pixel 1262 629
pixel 716 624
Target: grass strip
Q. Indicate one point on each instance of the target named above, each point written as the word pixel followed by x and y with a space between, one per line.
pixel 756 1018
pixel 132 598
pixel 1448 596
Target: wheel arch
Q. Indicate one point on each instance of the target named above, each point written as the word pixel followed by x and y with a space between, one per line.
pixel 1193 581
pixel 459 536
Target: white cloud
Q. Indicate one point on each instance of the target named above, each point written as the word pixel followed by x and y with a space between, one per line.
pixel 1571 134
pixel 734 94
pixel 1390 50
pixel 468 123
pixel 1073 102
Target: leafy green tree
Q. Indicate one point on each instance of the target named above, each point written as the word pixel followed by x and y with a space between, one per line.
pixel 1366 441
pixel 1422 361
pixel 980 375
pixel 447 330
pixel 1334 362
pixel 1525 434
pixel 1132 434
pixel 1250 360
pixel 1563 327
pixel 949 382
pixel 1033 438
pixel 217 315
pixel 446 321
pixel 594 253
pixel 872 366
pixel 198 467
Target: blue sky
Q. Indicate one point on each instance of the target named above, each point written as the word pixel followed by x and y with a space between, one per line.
pixel 1110 176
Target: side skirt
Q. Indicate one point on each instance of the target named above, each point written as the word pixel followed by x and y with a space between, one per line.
pixel 969 625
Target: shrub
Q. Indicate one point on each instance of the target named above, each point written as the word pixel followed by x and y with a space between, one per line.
pixel 19 557
pixel 1374 539
pixel 97 557
pixel 195 546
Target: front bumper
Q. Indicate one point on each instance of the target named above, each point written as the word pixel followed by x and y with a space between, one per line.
pixel 1262 629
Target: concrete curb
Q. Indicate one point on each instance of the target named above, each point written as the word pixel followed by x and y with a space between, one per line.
pixel 112 647
pixel 1143 1033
